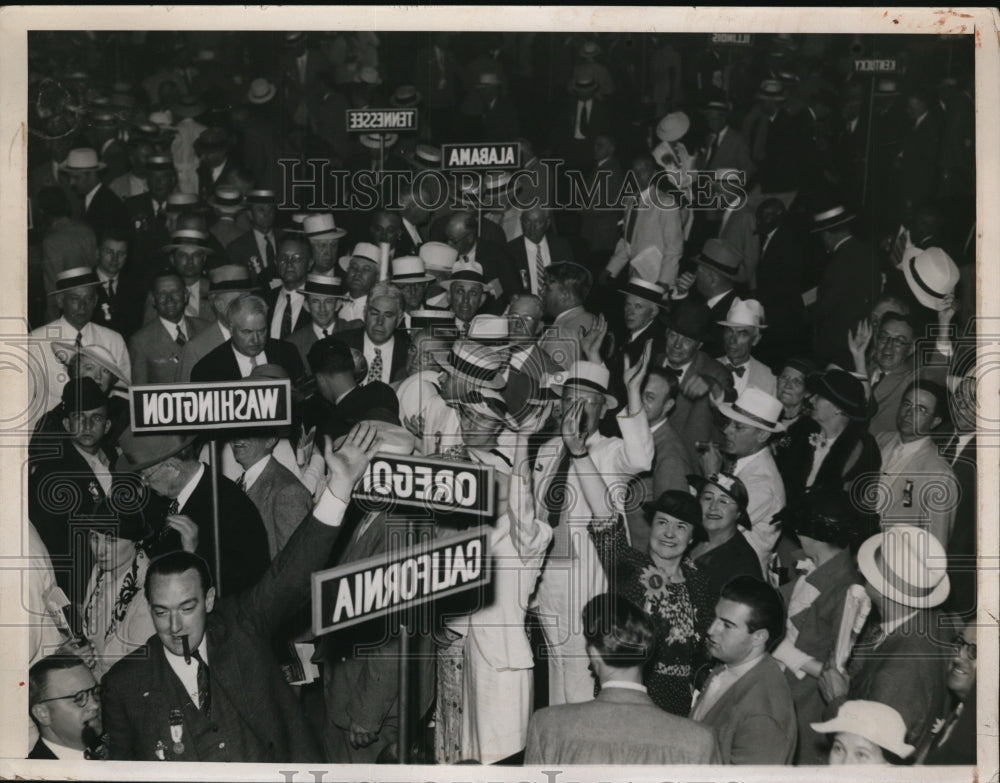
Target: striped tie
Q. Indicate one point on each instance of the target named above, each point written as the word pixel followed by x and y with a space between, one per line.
pixel 180 339
pixel 539 270
pixel 896 257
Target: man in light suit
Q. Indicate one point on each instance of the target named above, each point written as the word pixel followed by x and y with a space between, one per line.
pixel 623 725
pixel 912 466
pixel 156 348
pixel 652 227
pixel 572 573
pixel 740 334
pixel 566 289
pixel 746 698
pixel 281 499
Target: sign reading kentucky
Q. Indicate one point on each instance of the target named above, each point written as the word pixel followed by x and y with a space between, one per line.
pixel 436 485
pixel 221 405
pixel 505 155
pixel 357 592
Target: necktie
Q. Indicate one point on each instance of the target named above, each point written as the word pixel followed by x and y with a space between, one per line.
pixel 738 372
pixel 326 332
pixel 950 452
pixel 630 224
pixel 180 339
pixel 255 360
pixel 585 120
pixel 111 289
pixel 896 257
pixel 204 689
pixel 79 339
pixel 270 252
pixel 539 270
pixel 174 507
pixel 375 371
pixel 160 212
pixel 286 317
pixel 710 149
pixel 241 482
pixel 558 489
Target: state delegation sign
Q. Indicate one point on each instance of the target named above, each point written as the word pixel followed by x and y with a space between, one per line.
pixel 168 407
pixel 370 120
pixel 506 155
pixel 360 591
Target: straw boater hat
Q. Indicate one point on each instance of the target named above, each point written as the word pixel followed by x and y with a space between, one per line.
pixel 587 376
pixel 481 364
pixel 298 219
pixel 368 75
pixel 262 196
pixel 96 353
pixel 261 91
pixel 183 203
pixel 426 319
pixel 77 277
pixel 324 285
pixel 732 486
pixel 438 257
pixel 363 250
pixel 141 451
pixel 372 141
pixel 163 120
pixel 932 276
pixel 159 163
pixel 873 720
pixel 229 277
pixel 321 226
pixel 81 159
pixel 755 408
pixel 227 200
pixel 906 565
pixel 427 156
pixel 720 256
pixel 886 88
pixel 827 219
pixel 644 289
pixel 405 96
pixel 584 85
pixel 103 119
pixel 187 237
pixel 673 126
pixel 744 313
pixel 490 78
pixel 489 328
pixel 465 272
pixel 771 89
pixel 409 269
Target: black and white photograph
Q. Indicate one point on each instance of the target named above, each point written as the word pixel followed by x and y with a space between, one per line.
pixel 540 389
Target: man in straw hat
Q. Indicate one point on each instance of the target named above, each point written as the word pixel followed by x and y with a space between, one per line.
pixel 573 574
pixel 463 233
pixel 324 295
pixel 897 658
pixel 741 331
pixel 361 273
pixel 227 204
pixel 324 237
pixel 410 277
pixel 225 284
pixel 189 251
pixel 102 209
pixel 75 295
pixel 467 291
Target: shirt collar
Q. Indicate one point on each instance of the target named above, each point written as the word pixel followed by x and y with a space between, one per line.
pixel 735 672
pixel 624 684
pixel 569 313
pixel 836 247
pixel 61 751
pixel 717 298
pixel 185 494
pixel 177 661
pixel 251 474
pixel 742 462
pixel 172 327
pixel 104 276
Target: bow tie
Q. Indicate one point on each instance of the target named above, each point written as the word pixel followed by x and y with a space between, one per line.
pixel 739 372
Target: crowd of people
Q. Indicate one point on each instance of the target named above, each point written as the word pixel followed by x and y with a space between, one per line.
pixel 730 408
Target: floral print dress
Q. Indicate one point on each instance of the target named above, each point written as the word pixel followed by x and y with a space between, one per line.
pixel 681 613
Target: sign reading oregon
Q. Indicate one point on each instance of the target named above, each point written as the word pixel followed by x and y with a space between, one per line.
pixel 369 588
pixel 226 404
pixel 427 483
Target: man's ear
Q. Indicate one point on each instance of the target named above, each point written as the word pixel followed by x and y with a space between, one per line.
pixel 210 599
pixel 670 405
pixel 40 712
pixel 761 636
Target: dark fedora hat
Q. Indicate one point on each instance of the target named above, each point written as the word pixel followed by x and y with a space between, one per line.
pixel 82 394
pixel 123 512
pixel 722 256
pixel 842 389
pixel 141 451
pixel 211 139
pixel 690 318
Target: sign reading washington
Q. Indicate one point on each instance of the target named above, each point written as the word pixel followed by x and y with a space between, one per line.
pixel 168 407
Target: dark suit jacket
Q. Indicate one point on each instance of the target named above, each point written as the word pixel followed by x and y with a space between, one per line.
pixel 962 544
pixel 599 228
pixel 220 364
pixel 106 211
pixel 780 284
pixel 755 719
pixel 633 348
pixel 124 310
pixel 918 175
pixel 849 286
pixel 355 338
pixel 255 715
pixel 497 264
pixel 271 297
pixel 206 185
pixel 694 419
pixel 620 726
pixel 559 251
pixel 41 751
pixel 148 236
pixel 734 558
pixel 155 355
pixel 244 251
pixel 283 502
pixel 732 152
pixel 362 402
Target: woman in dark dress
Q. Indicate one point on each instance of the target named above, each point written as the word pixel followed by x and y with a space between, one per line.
pixel 667 585
pixel 725 553
pixel 790 388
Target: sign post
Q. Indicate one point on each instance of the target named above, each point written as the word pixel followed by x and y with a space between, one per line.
pixel 185 407
pixel 500 156
pixel 871 65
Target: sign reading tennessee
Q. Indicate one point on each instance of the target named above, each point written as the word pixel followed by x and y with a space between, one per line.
pixel 435 485
pixel 167 407
pixel 506 155
pixel 357 592
pixel 368 120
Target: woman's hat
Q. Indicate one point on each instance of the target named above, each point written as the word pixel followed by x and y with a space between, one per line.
pixel 409 269
pixel 77 277
pixel 587 376
pixel 474 362
pixel 824 515
pixel 830 218
pixel 722 256
pixel 876 722
pixel 907 565
pixel 755 408
pixel 644 289
pixel 805 366
pixel 261 91
pixel 729 484
pixel 322 226
pixel 678 504
pixel 82 159
pixel 141 451
pixel 842 389
pixel 745 313
pixel 673 126
pixel 932 276
pixel 96 353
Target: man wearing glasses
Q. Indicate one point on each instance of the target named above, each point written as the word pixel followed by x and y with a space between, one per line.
pixel 287 303
pixel 892 371
pixel 64 700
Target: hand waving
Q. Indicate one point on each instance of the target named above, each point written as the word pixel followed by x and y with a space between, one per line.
pixel 348 463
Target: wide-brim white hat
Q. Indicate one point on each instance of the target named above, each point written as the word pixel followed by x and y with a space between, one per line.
pixel 876 722
pixel 907 565
pixel 755 408
pixel 587 376
pixel 932 276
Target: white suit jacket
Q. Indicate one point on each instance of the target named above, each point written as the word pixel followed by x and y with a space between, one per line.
pixel 654 227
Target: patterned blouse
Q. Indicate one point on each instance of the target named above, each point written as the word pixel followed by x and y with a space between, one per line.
pixel 681 613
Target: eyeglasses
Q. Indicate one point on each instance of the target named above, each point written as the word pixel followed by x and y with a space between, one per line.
pixel 81 698
pixel 898 341
pixel 959 644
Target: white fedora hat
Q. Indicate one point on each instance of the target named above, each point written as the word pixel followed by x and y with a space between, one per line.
pixel 261 91
pixel 465 272
pixel 364 250
pixel 932 276
pixel 907 565
pixel 587 376
pixel 321 226
pixel 876 722
pixel 82 159
pixel 438 256
pixel 673 126
pixel 756 408
pixel 96 353
pixel 745 312
pixel 409 269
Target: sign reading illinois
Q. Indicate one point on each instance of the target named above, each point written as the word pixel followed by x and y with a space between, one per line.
pixel 875 66
pixel 222 405
pixel 506 155
pixel 356 592
pixel 426 483
pixel 368 120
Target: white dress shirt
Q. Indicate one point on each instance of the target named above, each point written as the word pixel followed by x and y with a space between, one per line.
pixel 262 240
pixel 90 196
pixel 62 752
pixel 298 302
pixel 246 364
pixel 185 494
pixel 583 112
pixel 251 474
pixel 194 299
pixel 187 672
pixel 385 349
pixel 99 464
pixel 173 329
pixel 353 309
pixel 531 249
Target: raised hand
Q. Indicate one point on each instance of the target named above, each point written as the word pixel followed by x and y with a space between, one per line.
pixel 188 529
pixel 572 421
pixel 307 444
pixel 684 282
pixel 591 340
pixel 346 465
